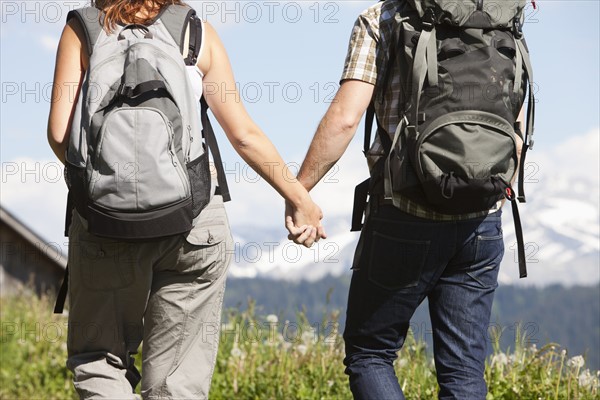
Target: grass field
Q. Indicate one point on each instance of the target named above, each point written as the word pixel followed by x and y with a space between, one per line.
pixel 261 357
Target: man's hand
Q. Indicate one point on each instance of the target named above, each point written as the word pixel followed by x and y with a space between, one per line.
pixel 304 223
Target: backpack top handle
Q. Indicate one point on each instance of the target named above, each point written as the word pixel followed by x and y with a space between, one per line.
pixel 176 19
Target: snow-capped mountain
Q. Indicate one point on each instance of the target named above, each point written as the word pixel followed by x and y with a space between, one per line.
pixel 560 218
pixel 560 222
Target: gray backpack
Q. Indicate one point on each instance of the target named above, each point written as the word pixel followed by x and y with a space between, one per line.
pixel 137 167
pixel 467 74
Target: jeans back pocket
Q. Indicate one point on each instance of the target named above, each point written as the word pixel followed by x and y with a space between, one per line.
pixel 396 263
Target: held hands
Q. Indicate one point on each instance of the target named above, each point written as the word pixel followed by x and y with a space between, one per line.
pixel 304 222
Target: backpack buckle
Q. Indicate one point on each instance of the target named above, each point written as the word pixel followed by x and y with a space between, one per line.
pixel 517 28
pixel 428 20
pixel 411 131
pixel 124 90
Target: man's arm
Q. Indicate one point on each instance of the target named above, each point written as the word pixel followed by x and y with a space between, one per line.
pixel 336 130
pixel 248 139
pixel 339 124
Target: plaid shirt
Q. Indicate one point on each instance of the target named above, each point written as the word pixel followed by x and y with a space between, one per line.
pixel 367 61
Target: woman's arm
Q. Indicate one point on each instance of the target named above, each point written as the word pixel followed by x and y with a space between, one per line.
pixel 249 141
pixel 71 63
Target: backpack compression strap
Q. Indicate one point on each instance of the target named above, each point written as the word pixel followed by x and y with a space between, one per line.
pixel 424 65
pixel 524 61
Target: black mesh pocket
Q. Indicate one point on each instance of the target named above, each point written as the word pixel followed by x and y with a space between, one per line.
pixel 199 174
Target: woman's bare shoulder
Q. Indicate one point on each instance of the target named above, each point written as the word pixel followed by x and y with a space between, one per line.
pixel 212 48
pixel 73 38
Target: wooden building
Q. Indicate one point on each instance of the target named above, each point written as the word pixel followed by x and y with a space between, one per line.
pixel 26 260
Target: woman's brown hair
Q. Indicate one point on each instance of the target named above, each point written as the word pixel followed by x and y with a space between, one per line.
pixel 125 11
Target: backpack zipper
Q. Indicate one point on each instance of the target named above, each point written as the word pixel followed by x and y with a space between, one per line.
pixel 189 152
pixel 170 145
pixel 174 161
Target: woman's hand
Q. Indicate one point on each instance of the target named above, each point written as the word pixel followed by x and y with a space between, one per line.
pixel 304 222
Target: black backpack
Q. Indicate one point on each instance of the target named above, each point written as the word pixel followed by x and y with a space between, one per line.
pixel 454 150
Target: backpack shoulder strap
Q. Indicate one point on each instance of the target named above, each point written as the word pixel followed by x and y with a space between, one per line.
pixel 211 141
pixel 90 19
pixel 179 20
pixel 185 27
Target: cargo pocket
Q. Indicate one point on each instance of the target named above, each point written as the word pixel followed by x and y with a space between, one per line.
pixel 209 245
pixel 211 226
pixel 106 265
pixel 199 173
pixel 396 263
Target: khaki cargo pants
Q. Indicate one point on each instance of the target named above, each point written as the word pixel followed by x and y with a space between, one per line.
pixel 166 293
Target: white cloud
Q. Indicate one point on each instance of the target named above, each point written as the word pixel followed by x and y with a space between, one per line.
pixel 561 215
pixel 49 42
pixel 257 204
pixel 35 192
pixel 560 218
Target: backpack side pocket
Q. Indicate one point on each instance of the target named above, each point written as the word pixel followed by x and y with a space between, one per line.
pixel 199 174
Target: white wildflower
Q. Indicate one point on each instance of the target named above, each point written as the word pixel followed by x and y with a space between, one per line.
pixel 403 362
pixel 576 362
pixel 533 348
pixel 310 336
pixel 586 379
pixel 272 319
pixel 237 353
pixel 500 359
pixel 302 349
pixel 330 383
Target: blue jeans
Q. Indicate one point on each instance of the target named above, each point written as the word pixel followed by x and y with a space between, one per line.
pixel 402 259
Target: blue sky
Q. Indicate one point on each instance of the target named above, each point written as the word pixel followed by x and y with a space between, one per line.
pixel 287 57
pixel 270 50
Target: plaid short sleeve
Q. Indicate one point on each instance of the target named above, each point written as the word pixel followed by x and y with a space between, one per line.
pixel 361 59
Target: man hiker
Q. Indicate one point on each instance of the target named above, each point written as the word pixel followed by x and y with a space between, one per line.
pixel 409 251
